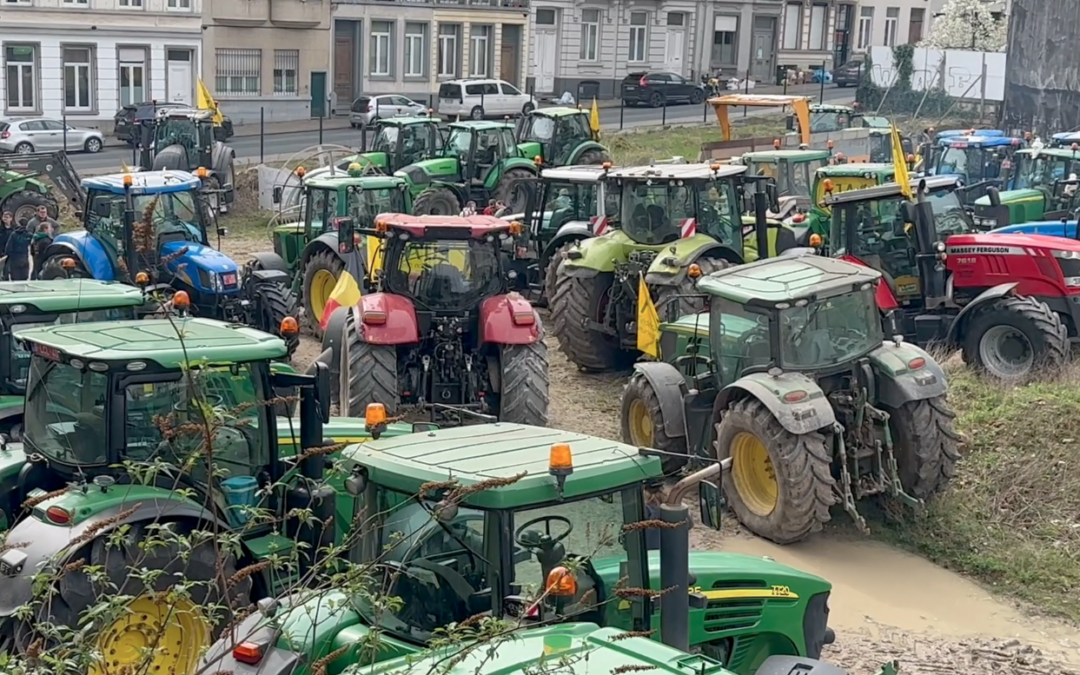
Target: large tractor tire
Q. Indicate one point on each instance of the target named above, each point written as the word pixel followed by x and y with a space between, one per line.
pixel 551 272
pixel 321 273
pixel 576 302
pixel 593 156
pixel 780 485
pixel 679 295
pixel 279 301
pixel 1015 337
pixel 642 422
pixel 513 189
pixel 24 204
pixel 437 201
pixel 174 157
pixel 368 375
pixel 925 444
pixel 53 269
pixel 523 397
pixel 184 633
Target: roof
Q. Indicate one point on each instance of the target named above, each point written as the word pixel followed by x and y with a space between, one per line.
pixel 69 295
pixel 1064 153
pixel 559 111
pixel 699 171
pixel 203 341
pixel 405 120
pixel 340 179
pixel 481 125
pixel 979 141
pixel 448 227
pixel 791 155
pixel 933 183
pixel 969 132
pixel 144 182
pixel 874 169
pixel 787 279
pixel 583 173
pixel 195 113
pixel 474 453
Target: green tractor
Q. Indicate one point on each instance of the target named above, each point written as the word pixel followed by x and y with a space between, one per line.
pixel 22 191
pixel 398 142
pixel 482 162
pixel 105 394
pixel 564 507
pixel 1040 187
pixel 794 172
pixel 560 136
pixel 826 117
pixel 837 179
pixel 186 140
pixel 675 223
pixel 789 374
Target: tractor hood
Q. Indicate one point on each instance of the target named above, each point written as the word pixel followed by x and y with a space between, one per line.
pixel 1006 244
pixel 203 268
pixel 422 173
pixel 1012 196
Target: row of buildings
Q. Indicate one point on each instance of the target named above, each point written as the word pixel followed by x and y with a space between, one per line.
pixel 298 59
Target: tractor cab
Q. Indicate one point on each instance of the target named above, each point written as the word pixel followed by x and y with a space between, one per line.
pixel 191 129
pixel 560 136
pixel 975 158
pixel 793 171
pixel 827 118
pixel 479 148
pixel 836 179
pixel 1041 185
pixel 401 141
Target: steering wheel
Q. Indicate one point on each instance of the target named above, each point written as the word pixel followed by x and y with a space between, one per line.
pixel 547 520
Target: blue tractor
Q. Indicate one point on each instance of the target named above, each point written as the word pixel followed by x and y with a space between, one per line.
pixel 150 228
pixel 978 160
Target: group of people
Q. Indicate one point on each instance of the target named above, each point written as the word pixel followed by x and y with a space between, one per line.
pixel 23 243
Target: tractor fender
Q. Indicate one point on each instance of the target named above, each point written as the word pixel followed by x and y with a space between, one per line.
pixel 808 414
pixel 87 249
pixel 989 295
pixel 669 385
pixel 517 163
pixel 898 384
pixel 565 234
pixel 47 544
pixel 598 254
pixel 173 157
pixel 333 342
pixel 185 265
pixel 400 326
pixel 327 241
pixel 509 320
pixel 581 149
pixel 268 260
pixel 669 268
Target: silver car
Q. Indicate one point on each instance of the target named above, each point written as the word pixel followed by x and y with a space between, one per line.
pixel 41 134
pixel 366 109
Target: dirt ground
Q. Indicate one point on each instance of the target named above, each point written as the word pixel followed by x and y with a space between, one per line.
pixel 886 604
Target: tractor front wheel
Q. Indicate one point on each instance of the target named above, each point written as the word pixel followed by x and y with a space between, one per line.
pixel 24 205
pixel 523 384
pixel 368 374
pixel 321 273
pixel 513 189
pixel 576 303
pixel 278 301
pixel 642 422
pixel 684 295
pixel 437 201
pixel 925 444
pixel 780 485
pixel 53 269
pixel 1014 337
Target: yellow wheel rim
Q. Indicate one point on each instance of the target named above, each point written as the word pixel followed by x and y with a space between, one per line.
pixel 641 426
pixel 322 285
pixel 753 473
pixel 153 636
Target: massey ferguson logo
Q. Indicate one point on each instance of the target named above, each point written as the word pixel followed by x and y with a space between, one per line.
pixel 985 250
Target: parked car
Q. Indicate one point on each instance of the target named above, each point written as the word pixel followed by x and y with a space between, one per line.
pixel 849 73
pixel 659 88
pixel 480 98
pixel 366 109
pixel 41 134
pixel 129 116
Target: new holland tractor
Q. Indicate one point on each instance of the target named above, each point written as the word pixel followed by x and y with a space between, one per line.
pixel 1041 186
pixel 442 328
pixel 117 417
pixel 183 139
pixel 150 228
pixel 1009 302
pixel 560 136
pixel 790 375
pixel 567 513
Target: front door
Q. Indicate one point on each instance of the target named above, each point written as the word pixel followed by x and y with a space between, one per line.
pixel 673 52
pixel 763 48
pixel 546 54
pixel 318 94
pixel 343 71
pixel 178 76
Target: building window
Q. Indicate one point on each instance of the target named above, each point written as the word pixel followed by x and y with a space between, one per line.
pixel 724 44
pixel 132 75
pixel 639 36
pixel 545 17
pixel 381 32
pixel 676 19
pixel 416 52
pixel 78 79
pixel 792 25
pixel 449 49
pixel 479 51
pixel 76 2
pixel 915 26
pixel 866 27
pixel 239 72
pixel 818 22
pixel 286 70
pixel 131 4
pixel 20 63
pixel 179 5
pixel 590 35
pixel 17 2
pixel 892 20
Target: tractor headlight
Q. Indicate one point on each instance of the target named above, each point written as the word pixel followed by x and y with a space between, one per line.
pixel 211 280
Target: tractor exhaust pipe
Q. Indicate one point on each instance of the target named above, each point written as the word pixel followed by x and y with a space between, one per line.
pixel 761 219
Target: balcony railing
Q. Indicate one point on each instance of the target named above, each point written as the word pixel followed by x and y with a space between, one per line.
pixel 480 4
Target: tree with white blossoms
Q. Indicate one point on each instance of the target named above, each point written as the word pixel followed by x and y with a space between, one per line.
pixel 967 24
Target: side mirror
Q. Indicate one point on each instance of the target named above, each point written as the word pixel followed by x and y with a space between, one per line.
pixel 907 211
pixel 322 390
pixel 223 231
pixel 102 208
pixel 346 229
pixel 774 196
pixel 711 504
pixel 994 195
pixel 790 123
pixel 277 195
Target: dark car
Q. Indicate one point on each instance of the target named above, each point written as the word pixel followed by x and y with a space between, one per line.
pixel 660 88
pixel 133 114
pixel 848 75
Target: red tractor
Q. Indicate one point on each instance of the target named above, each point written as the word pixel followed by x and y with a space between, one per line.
pixel 1009 302
pixel 442 328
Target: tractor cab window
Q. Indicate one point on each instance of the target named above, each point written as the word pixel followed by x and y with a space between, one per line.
pixel 799 177
pixel 490 149
pixel 386 139
pixel 322 207
pixel 418 142
pixel 738 339
pixel 1035 171
pixel 177 131
pixel 448 274
pixel 365 204
pixel 881 238
pixel 65 418
pixel 973 164
pixel 880 147
pixel 829 331
pixel 719 213
pixel 460 144
pixel 568 202
pixel 539 129
pixel 175 215
pixel 570 131
pixel 654 213
pixel 829 121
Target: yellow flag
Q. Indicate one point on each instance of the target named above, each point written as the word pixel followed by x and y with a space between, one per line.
pixel 594 118
pixel 648 322
pixel 206 102
pixel 900 165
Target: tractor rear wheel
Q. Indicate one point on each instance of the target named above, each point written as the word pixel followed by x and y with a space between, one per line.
pixel 523 384
pixel 551 272
pixel 1014 337
pixel 368 374
pixel 513 189
pixel 278 301
pixel 780 485
pixel 437 201
pixel 24 204
pixel 577 302
pixel 925 445
pixel 321 273
pixel 642 422
pixel 594 156
pixel 678 295
pixel 182 630
pixel 53 269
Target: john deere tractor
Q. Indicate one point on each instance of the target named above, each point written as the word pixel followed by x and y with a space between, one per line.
pixel 1040 186
pixel 184 139
pixel 482 162
pixel 836 179
pixel 793 171
pixel 399 142
pixel 789 375
pixel 560 136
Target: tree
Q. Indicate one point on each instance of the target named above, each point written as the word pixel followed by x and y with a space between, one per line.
pixel 967 24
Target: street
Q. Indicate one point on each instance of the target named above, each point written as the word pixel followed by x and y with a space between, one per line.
pixel 281 145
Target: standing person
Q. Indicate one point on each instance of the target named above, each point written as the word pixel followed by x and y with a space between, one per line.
pixel 40 241
pixel 17 251
pixel 42 217
pixel 7 222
